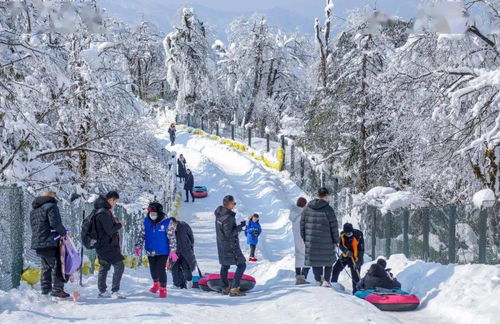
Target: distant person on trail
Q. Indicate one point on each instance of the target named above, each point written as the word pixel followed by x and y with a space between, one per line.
pixel 301 271
pixel 352 245
pixel 108 244
pixel 46 229
pixel 171 132
pixel 189 185
pixel 379 277
pixel 228 246
pixel 182 233
pixel 158 245
pixel 319 230
pixel 252 232
pixel 181 168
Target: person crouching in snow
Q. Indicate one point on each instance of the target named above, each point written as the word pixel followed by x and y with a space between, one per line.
pixel 252 233
pixel 181 233
pixel 158 247
pixel 379 277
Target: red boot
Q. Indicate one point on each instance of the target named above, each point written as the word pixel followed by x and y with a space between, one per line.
pixel 155 288
pixel 163 292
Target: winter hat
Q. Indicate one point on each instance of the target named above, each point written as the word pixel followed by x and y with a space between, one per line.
pixel 348 228
pixel 382 263
pixel 155 207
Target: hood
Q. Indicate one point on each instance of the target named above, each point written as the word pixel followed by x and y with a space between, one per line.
pixel 42 200
pixel 101 202
pixel 223 212
pixel 377 270
pixel 317 204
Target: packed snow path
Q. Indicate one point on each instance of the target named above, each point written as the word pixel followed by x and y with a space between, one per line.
pixel 275 299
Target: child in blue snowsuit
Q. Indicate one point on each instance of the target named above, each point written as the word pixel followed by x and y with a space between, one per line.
pixel 252 232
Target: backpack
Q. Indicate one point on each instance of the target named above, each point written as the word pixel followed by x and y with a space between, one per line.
pixel 89 233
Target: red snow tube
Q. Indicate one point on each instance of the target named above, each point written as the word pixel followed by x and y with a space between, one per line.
pixel 200 191
pixel 393 302
pixel 247 282
pixel 202 283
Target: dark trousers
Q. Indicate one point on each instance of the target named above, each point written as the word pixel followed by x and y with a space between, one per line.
pixel 188 191
pixel 302 271
pixel 224 269
pixel 157 267
pixel 51 277
pixel 322 271
pixel 340 265
pixel 181 272
pixel 172 140
pixel 252 250
pixel 118 269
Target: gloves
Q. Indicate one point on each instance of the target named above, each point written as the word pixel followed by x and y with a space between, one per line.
pixel 243 224
pixel 138 251
pixel 173 256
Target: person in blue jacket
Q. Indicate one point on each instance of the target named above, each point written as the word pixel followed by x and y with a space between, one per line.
pixel 158 247
pixel 252 232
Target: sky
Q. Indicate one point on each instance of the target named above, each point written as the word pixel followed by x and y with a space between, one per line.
pixel 290 15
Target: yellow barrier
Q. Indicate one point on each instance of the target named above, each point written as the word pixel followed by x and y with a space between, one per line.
pixel 31 276
pixel 86 268
pixel 97 265
pixel 145 262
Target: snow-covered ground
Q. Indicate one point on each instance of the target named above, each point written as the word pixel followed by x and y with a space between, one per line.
pixel 450 294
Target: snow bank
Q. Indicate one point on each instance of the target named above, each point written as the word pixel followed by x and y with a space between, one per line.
pixel 386 199
pixel 482 195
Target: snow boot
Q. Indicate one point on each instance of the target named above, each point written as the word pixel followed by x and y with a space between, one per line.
pixel 104 294
pixel 236 292
pixel 118 295
pixel 154 289
pixel 189 284
pixel 326 284
pixel 163 292
pixel 301 280
pixel 60 294
pixel 225 291
pixel 251 259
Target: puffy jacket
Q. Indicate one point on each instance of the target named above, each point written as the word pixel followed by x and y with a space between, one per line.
pixel 185 244
pixel 355 244
pixel 378 277
pixel 155 236
pixel 181 167
pixel 228 243
pixel 46 223
pixel 108 239
pixel 252 232
pixel 189 183
pixel 319 230
pixel 300 248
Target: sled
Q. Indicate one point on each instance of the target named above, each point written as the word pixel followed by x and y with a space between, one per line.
pixel 247 282
pixel 396 300
pixel 200 191
pixel 202 284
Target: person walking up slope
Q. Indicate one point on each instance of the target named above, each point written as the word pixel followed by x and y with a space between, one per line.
pixel 352 245
pixel 181 168
pixel 252 233
pixel 301 271
pixel 46 229
pixel 189 185
pixel 172 133
pixel 159 247
pixel 228 245
pixel 319 230
pixel 182 233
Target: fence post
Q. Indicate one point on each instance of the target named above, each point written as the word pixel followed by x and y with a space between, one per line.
pixel 189 120
pixel 406 243
pixel 372 211
pixel 452 213
pixel 483 217
pixel 425 234
pixel 268 142
pixel 387 233
pixel 292 160
pixel 232 132
pixel 202 124
pixel 217 128
pixel 283 143
pixel 249 136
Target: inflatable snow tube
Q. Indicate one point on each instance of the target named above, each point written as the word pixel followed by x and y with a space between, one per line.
pixel 202 284
pixel 365 292
pixel 247 282
pixel 200 191
pixel 393 301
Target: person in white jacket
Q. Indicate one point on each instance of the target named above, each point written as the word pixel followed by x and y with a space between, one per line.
pixel 301 271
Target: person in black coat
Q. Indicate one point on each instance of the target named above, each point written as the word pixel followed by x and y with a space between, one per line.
pixel 46 228
pixel 171 133
pixel 228 245
pixel 319 230
pixel 181 167
pixel 189 185
pixel 352 245
pixel 185 251
pixel 378 277
pixel 108 244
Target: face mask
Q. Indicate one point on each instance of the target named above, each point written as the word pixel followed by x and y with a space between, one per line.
pixel 348 234
pixel 153 217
